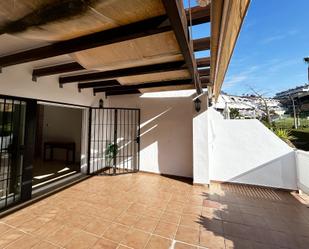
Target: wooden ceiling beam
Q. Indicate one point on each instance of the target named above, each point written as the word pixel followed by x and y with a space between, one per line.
pixel 201 44
pixel 199 15
pixel 74 66
pixel 132 71
pixel 145 85
pixel 131 31
pixel 204 72
pixel 205 80
pixel 56 69
pixel 178 20
pixel 203 62
pixel 124 92
pixel 111 92
pixel 96 84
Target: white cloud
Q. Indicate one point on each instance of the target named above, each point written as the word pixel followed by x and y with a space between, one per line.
pixel 241 77
pixel 273 38
pixel 278 37
pixel 233 80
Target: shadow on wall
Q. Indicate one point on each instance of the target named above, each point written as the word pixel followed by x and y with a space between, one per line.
pixel 166 136
pixel 245 151
pixel 166 132
pixel 279 172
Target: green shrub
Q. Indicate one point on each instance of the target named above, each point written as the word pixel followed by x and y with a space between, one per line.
pixel 285 135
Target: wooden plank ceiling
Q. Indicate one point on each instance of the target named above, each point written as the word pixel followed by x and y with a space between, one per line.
pixel 117 47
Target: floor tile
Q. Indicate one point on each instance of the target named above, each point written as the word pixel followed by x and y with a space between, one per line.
pixel 179 245
pixel 157 242
pixel 237 243
pixel 127 219
pixel 105 244
pixel 116 232
pixel 135 239
pixel 147 224
pixel 10 236
pixel 81 240
pixel 32 225
pixel 167 230
pixel 190 221
pixel 188 235
pixel 62 236
pixel 215 226
pixel 211 240
pixel 237 230
pixel 170 217
pixel 98 226
pixel 45 245
pixel 25 242
pixel 4 228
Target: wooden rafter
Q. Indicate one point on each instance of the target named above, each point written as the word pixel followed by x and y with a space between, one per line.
pixel 204 72
pixel 140 70
pixel 122 92
pixel 139 29
pixel 178 20
pixel 95 84
pixel 74 66
pixel 135 91
pixel 131 31
pixel 205 80
pixel 199 15
pixel 203 62
pixel 56 69
pixel 145 85
pixel 201 44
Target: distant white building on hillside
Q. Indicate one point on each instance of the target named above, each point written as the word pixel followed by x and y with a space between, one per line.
pixel 249 106
pixel 299 91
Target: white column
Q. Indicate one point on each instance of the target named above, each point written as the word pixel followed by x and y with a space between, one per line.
pixel 201 150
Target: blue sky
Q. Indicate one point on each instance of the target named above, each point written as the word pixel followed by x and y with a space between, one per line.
pixel 270 50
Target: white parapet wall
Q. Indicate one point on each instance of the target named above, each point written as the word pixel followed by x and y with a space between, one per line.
pixel 302 161
pixel 247 152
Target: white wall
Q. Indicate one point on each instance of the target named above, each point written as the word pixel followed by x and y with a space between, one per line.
pixel 245 151
pixel 166 130
pixel 63 124
pixel 17 81
pixel 201 144
pixel 302 159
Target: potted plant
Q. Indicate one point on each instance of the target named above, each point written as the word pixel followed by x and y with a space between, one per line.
pixel 110 154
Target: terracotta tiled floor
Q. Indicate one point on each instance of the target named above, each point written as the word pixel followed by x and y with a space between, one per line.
pixel 155 212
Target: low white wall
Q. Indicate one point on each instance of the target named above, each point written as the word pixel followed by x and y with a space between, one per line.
pixel 302 159
pixel 245 151
pixel 166 130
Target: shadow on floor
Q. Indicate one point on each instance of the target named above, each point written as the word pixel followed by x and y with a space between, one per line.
pixel 252 217
pixel 45 171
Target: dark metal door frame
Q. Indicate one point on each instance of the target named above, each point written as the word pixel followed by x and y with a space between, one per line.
pixel 17 129
pixel 113 140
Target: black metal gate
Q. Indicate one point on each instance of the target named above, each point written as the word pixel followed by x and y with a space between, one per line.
pixel 113 140
pixel 12 134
